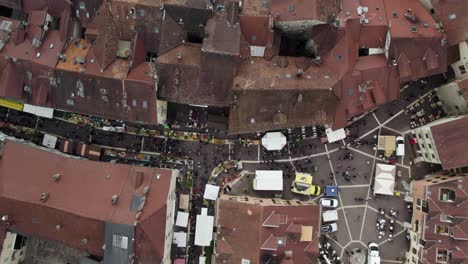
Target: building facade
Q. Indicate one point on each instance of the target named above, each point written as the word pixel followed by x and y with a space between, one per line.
pixel 443 142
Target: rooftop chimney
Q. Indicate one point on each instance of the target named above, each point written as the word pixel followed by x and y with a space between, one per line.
pixel 115 198
pixel 44 197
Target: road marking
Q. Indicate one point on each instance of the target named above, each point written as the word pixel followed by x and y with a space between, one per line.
pixel 229 150
pixel 339 195
pixel 352 206
pixel 376 119
pixel 393 130
pixel 390 261
pixel 258 153
pixel 383 124
pixel 368 195
pixel 354 186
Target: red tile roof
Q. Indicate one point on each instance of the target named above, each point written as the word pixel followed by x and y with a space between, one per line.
pixel 256 30
pixel 454 18
pixel 456 243
pixel 295 10
pixel 81 199
pixel 242 230
pixel 451 143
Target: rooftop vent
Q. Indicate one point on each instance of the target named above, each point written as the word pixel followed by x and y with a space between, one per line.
pixel 146 190
pixel 58 227
pixel 115 198
pixel 56 177
pixel 410 16
pixel 414 29
pixel 44 197
pixel 38 55
pixel 178 56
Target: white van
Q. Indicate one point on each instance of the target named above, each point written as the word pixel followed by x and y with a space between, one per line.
pixel 373 254
pixel 330 216
pixel 400 146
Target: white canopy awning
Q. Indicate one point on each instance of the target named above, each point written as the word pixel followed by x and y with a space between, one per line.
pixel 39 110
pixel 268 180
pixel 180 238
pixel 182 219
pixel 384 179
pixel 274 141
pixel 201 260
pixel 333 136
pixel 204 228
pixel 211 192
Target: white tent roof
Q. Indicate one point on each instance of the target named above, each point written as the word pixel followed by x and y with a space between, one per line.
pixel 268 180
pixel 202 260
pixel 180 238
pixel 333 136
pixel 204 229
pixel 39 110
pixel 274 141
pixel 211 192
pixel 182 219
pixel 384 179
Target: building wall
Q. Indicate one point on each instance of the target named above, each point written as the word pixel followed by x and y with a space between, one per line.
pixel 170 215
pixel 452 98
pixel 461 67
pixel 426 146
pixel 9 255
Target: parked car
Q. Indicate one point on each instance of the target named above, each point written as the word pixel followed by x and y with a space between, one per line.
pixel 400 146
pixel 329 228
pixel 315 190
pixel 329 202
pixel 373 253
pixel 330 216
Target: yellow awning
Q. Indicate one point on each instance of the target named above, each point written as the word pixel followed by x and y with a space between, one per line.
pixel 11 104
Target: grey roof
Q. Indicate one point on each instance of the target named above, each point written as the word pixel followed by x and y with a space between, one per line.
pixel 119 243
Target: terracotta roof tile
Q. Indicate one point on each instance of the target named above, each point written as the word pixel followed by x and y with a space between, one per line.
pixel 451 143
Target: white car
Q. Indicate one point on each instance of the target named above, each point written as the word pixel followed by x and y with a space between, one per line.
pixel 400 146
pixel 329 202
pixel 373 254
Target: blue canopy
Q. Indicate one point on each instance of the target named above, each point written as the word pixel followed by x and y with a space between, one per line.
pixel 331 190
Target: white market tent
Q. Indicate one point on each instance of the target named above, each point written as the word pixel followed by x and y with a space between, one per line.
pixel 274 141
pixel 268 180
pixel 211 192
pixel 204 228
pixel 39 110
pixel 333 136
pixel 180 238
pixel 182 219
pixel 384 179
pixel 201 260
